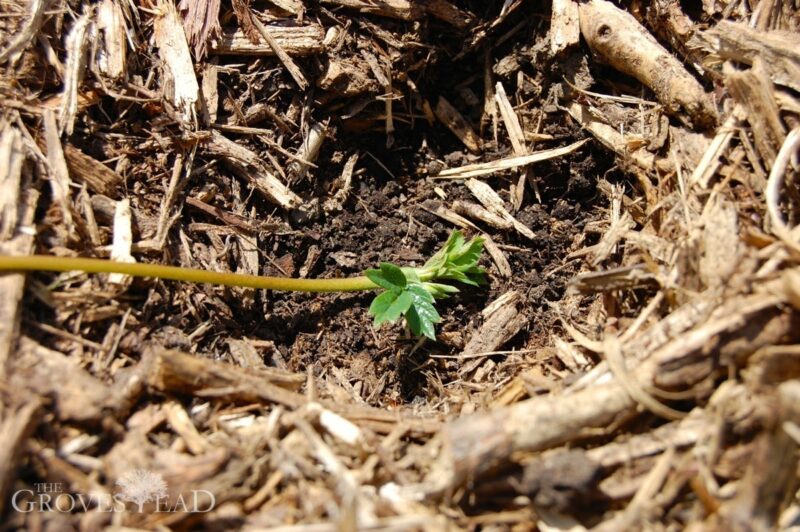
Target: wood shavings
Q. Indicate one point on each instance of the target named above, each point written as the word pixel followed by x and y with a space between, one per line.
pixel 200 22
pixel 653 266
pixel 572 358
pixel 345 184
pixel 629 277
pixel 565 29
pixel 171 370
pixel 11 160
pixel 450 13
pixel 450 117
pixel 613 139
pixel 618 229
pixel 250 265
pixel 173 49
pixel 643 501
pixel 613 355
pixel 300 41
pixel 111 58
pixel 476 212
pixel 753 91
pixel 209 93
pixel 18 240
pixel 777 49
pixel 347 77
pixel 35 16
pixel 769 478
pixel 621 40
pixel 400 9
pixel 498 257
pixel 721 253
pixel 246 354
pixel 503 320
pixel 337 426
pixel 309 151
pixel 123 240
pixel 510 120
pixel 469 449
pixel 165 217
pixel 295 7
pixel 16 427
pixel 248 165
pixel 77 47
pixel 282 55
pixel 77 395
pixel 710 162
pixel 181 423
pixel 482 169
pixel 240 222
pixel 436 207
pixel 59 174
pixel 492 201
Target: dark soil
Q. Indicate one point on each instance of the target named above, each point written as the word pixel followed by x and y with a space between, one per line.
pixel 383 220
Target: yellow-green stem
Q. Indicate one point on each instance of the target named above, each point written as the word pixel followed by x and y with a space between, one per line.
pixel 68 264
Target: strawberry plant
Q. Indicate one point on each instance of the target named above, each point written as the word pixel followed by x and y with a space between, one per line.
pixel 411 292
pixel 406 291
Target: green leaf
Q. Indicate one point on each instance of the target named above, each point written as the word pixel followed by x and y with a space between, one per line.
pixel 397 308
pixel 440 290
pixel 393 274
pixel 428 312
pixel 477 275
pixel 439 259
pixel 461 277
pixel 411 275
pixel 421 319
pixel 377 277
pixel 468 255
pixel 407 295
pixel 414 323
pixel 454 244
pixel 380 305
pixel 419 293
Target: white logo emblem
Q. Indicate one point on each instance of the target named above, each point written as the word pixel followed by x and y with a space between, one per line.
pixel 141 486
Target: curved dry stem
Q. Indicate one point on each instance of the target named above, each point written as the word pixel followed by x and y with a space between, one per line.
pixel 774 185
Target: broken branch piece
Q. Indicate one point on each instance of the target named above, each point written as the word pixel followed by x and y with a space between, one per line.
pixel 628 47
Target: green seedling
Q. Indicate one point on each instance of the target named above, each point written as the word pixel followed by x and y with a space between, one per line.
pixel 411 292
pixel 406 291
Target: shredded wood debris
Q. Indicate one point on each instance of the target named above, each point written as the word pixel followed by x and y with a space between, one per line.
pixel 633 361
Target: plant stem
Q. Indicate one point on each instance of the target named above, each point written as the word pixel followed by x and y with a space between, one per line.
pixel 68 264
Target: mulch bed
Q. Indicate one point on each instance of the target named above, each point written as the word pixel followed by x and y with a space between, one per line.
pixel 633 361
